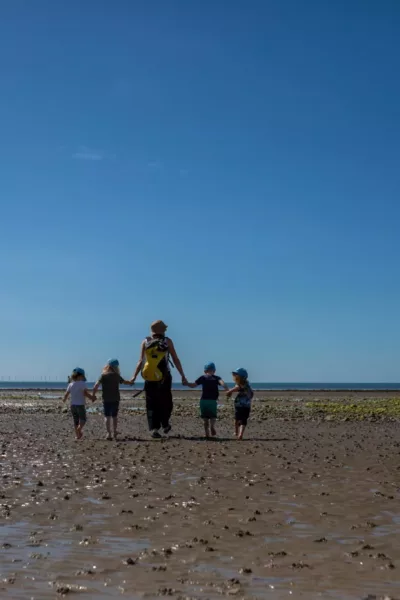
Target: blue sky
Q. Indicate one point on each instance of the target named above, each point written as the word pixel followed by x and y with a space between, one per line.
pixel 229 167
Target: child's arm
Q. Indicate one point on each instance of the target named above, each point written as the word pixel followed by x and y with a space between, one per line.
pixel 126 382
pixel 91 397
pixel 67 393
pixel 95 388
pixel 232 391
pixel 222 383
pixel 195 384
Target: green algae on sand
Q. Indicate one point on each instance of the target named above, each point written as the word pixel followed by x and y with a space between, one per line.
pixel 362 409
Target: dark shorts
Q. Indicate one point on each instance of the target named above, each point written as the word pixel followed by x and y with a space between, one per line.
pixel 242 414
pixel 78 414
pixel 208 409
pixel 111 409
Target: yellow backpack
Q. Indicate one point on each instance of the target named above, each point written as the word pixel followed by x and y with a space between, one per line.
pixel 156 359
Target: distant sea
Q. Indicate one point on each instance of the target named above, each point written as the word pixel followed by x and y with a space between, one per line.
pixel 59 385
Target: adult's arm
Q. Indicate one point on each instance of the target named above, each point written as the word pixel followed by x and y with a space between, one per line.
pixel 139 364
pixel 176 361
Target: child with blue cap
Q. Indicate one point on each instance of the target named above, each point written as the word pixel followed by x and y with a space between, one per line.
pixel 210 383
pixel 242 401
pixel 110 381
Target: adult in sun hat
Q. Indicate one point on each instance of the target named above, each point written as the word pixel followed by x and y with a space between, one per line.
pixel 156 352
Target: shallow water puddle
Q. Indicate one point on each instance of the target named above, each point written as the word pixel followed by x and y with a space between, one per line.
pixel 111 544
pixel 93 500
pixel 180 477
pixel 26 546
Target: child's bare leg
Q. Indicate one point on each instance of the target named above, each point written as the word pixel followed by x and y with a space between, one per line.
pixel 237 424
pixel 213 431
pixel 115 426
pixel 107 421
pixel 80 427
pixel 78 433
pixel 207 427
pixel 241 431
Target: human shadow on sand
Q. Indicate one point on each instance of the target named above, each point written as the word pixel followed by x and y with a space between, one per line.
pixel 194 438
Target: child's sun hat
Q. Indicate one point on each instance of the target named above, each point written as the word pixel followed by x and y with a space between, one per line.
pixel 241 372
pixel 79 371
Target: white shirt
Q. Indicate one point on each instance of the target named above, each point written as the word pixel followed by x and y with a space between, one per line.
pixel 77 391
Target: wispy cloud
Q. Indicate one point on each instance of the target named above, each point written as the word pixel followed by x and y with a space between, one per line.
pixel 155 165
pixel 85 153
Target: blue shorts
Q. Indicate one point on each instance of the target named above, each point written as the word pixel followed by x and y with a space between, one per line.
pixel 111 409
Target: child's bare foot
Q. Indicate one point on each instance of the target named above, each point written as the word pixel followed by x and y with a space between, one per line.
pixel 109 437
pixel 213 431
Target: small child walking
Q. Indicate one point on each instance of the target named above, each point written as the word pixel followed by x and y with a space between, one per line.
pixel 210 383
pixel 78 391
pixel 242 400
pixel 110 381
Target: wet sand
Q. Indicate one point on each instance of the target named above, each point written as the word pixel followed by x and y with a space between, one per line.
pixel 306 507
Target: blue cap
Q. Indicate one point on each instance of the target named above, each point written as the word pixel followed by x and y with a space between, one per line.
pixel 113 362
pixel 79 371
pixel 209 366
pixel 241 372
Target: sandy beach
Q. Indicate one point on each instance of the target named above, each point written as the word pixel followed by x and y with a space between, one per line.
pixel 305 507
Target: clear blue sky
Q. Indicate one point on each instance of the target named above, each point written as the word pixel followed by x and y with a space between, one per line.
pixel 230 167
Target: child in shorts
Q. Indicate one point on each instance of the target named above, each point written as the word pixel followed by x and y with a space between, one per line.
pixel 242 401
pixel 110 381
pixel 78 391
pixel 210 383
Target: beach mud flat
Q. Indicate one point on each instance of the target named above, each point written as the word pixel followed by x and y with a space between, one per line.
pixel 307 506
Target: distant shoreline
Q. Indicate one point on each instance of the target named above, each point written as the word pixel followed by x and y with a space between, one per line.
pixel 191 391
